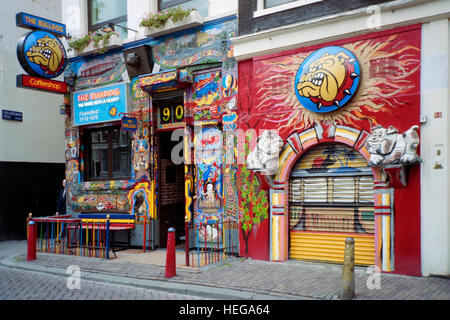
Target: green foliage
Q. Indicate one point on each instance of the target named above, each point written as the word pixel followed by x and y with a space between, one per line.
pixel 80 43
pixel 254 204
pixel 84 41
pixel 159 19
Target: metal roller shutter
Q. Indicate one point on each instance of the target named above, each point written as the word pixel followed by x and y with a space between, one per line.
pixel 331 198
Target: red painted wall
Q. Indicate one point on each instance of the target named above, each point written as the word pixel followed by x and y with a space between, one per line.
pixel 388 94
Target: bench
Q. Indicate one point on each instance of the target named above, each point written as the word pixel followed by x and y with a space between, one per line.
pixel 117 222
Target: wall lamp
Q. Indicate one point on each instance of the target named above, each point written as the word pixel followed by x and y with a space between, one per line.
pixel 110 27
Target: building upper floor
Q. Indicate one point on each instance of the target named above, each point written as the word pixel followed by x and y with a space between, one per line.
pixel 268 26
pixel 125 16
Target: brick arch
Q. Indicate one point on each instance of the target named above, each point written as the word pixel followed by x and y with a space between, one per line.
pixel 296 145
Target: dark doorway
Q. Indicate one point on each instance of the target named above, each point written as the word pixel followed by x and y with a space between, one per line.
pixel 27 187
pixel 171 196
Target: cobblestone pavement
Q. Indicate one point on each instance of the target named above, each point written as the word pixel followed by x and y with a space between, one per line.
pixel 25 285
pixel 300 279
pixel 291 279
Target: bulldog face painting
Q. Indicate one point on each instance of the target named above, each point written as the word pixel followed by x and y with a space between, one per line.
pixel 327 79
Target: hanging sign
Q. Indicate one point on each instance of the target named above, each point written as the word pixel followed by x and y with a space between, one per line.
pixel 102 104
pixel 41 54
pixel 129 124
pixel 41 84
pixel 25 20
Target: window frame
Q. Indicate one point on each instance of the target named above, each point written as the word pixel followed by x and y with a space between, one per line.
pixel 99 25
pixel 87 154
pixel 261 11
pixel 171 3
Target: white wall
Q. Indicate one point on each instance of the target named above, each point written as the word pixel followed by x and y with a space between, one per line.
pixel 74 14
pixel 435 205
pixel 40 137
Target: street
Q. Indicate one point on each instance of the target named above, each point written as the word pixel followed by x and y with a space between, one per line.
pixel 18 284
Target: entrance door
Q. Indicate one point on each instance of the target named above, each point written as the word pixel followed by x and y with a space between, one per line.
pixel 171 195
pixel 169 116
pixel 331 198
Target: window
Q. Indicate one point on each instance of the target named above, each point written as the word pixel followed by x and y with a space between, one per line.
pixel 107 154
pixel 264 7
pixel 102 12
pixel 200 5
pixel 273 3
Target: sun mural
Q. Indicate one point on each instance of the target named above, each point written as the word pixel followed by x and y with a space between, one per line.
pixel 339 84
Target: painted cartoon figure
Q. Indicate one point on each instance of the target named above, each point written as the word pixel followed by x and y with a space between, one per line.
pixel 325 77
pixel 387 146
pixel 265 155
pixel 209 198
pixel 48 54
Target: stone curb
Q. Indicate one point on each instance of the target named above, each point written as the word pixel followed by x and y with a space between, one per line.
pixel 171 286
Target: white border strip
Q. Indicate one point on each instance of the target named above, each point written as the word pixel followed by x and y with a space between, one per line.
pixel 260 11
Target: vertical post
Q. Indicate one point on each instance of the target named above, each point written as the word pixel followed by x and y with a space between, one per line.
pixel 205 235
pixel 348 270
pixel 28 221
pixel 151 233
pixel 31 246
pixel 170 254
pixel 197 228
pixel 107 238
pixel 68 236
pixel 145 233
pixel 186 239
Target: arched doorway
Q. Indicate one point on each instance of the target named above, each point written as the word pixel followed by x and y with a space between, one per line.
pixel 331 197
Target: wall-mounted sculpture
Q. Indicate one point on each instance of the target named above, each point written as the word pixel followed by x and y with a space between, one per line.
pixel 264 157
pixel 388 147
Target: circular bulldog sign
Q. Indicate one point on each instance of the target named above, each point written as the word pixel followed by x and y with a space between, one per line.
pixel 327 79
pixel 41 54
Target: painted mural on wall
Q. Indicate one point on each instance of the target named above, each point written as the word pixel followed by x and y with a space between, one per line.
pixel 140 198
pixel 253 203
pixel 206 96
pixel 112 196
pixel 229 95
pixel 352 83
pixel 335 92
pixel 229 121
pixel 208 159
pixel 93 72
pixel 208 45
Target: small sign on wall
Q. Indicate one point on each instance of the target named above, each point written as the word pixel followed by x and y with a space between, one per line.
pixel 129 124
pixel 12 115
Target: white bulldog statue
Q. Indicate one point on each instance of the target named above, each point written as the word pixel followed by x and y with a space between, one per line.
pixel 387 146
pixel 264 157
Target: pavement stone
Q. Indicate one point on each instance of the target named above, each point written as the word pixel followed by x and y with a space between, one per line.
pixel 243 278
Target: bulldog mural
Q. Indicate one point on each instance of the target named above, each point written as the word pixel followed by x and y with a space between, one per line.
pixel 264 157
pixel 387 146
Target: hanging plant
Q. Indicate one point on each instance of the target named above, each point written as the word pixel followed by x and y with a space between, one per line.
pixel 159 19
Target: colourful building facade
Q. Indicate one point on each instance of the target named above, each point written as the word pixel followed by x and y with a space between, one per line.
pixel 335 106
pixel 186 103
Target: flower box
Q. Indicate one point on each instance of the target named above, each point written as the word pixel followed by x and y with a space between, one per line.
pixel 113 42
pixel 192 20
